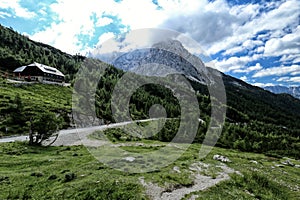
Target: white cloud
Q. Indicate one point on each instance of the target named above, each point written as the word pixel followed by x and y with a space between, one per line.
pixel 295 73
pixel 288 44
pixel 259 50
pixel 4 15
pixel 295 79
pixel 249 69
pixel 284 13
pixel 297 60
pixel 75 18
pixel 210 23
pixel 105 36
pixel 287 79
pixel 244 78
pixel 277 71
pixel 62 36
pixel 283 79
pixel 215 25
pixel 262 85
pixel 235 63
pixel 290 58
pixel 17 8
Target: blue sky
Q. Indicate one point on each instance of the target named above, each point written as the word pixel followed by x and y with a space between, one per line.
pixel 256 41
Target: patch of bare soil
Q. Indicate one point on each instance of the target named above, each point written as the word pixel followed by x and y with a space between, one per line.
pixel 201 182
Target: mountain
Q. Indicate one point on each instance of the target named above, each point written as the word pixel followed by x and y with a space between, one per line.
pixel 256 119
pixel 294 91
pixel 163 58
pixel 245 102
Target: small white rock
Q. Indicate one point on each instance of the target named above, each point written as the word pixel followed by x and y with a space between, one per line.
pixel 176 169
pixel 129 159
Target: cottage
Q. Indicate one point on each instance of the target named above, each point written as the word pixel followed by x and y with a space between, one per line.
pixel 39 72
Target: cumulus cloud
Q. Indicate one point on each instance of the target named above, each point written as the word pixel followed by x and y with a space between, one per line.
pixel 249 69
pixel 288 44
pixel 212 22
pixel 244 78
pixel 216 25
pixel 106 36
pixel 237 64
pixel 288 79
pixel 62 36
pixel 18 10
pixel 295 79
pixel 4 15
pixel 262 85
pixel 277 71
pixel 283 79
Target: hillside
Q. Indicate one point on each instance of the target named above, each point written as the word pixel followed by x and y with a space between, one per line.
pixel 256 120
pixel 18 103
pixel 17 50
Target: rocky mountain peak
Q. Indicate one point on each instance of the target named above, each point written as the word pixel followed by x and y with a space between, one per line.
pixel 163 58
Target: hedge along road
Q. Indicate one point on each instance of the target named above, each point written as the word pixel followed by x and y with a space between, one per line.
pixel 77 136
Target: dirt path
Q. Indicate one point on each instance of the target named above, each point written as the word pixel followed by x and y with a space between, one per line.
pixel 201 182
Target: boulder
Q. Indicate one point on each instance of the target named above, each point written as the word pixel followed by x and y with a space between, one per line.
pixel 129 159
pixel 221 158
pixel 176 169
pixel 289 163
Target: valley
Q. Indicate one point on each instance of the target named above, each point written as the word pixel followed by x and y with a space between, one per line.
pixel 260 137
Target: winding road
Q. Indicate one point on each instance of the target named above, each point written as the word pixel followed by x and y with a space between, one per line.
pixel 77 136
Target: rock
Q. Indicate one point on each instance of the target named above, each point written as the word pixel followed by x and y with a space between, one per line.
pixel 52 177
pixel 4 179
pixel 64 171
pixel 37 174
pixel 288 162
pixel 69 177
pixel 254 162
pixel 163 58
pixel 297 166
pixel 221 158
pixel 129 159
pixel 278 165
pixel 176 169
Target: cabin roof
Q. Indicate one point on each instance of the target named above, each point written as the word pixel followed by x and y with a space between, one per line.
pixel 43 68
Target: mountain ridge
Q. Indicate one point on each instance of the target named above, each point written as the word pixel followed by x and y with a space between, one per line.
pixel 278 89
pixel 162 58
pixel 256 120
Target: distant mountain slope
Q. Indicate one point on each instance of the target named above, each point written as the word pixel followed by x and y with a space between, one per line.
pixel 17 50
pixel 259 104
pixel 294 91
pixel 245 102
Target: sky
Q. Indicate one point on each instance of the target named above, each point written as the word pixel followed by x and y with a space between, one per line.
pixel 256 41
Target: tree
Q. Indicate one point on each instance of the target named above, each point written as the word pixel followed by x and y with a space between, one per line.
pixel 42 127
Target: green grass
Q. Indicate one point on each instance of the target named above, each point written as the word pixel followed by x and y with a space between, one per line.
pixel 73 173
pixel 60 173
pixel 36 98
